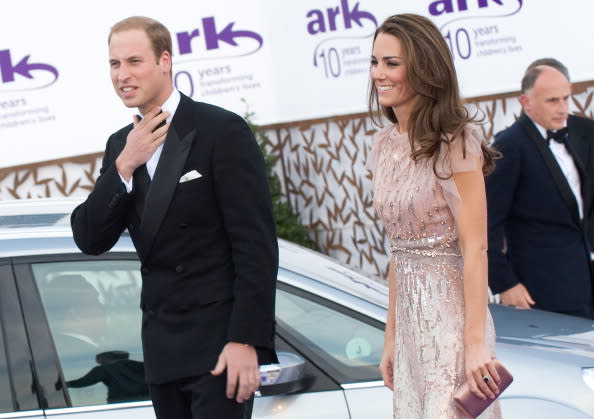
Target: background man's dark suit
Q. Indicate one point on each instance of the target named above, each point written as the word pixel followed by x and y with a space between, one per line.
pixel 533 210
pixel 207 246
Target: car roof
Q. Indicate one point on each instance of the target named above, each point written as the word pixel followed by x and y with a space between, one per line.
pixel 37 227
pixel 331 272
pixel 20 215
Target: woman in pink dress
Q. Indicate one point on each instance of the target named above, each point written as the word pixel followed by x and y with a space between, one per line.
pixel 428 189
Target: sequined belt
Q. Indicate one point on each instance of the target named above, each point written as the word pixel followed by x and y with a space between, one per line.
pixel 430 247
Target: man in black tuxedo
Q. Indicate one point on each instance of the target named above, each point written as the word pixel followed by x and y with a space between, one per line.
pixel 188 182
pixel 540 200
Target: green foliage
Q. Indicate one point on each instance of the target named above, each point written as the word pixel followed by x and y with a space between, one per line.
pixel 288 225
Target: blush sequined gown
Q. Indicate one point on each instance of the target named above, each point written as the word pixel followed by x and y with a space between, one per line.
pixel 418 212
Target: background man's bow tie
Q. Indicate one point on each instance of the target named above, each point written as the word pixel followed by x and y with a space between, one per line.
pixel 560 135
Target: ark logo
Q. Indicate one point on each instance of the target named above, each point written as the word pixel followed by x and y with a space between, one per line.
pixel 37 73
pixel 441 7
pixel 336 45
pixel 322 21
pixel 215 39
pixel 469 9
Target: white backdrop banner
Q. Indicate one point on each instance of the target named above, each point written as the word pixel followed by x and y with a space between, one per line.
pixel 283 60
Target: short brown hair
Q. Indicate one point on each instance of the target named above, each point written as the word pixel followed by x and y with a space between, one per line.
pixel 157 33
pixel 536 67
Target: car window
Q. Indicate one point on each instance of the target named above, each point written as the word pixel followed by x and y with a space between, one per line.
pixel 93 314
pixel 6 401
pixel 346 342
pixel 5 394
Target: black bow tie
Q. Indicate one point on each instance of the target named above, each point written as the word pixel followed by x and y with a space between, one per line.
pixel 560 135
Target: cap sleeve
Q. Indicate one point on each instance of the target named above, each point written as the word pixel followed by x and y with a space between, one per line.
pixel 374 153
pixel 463 155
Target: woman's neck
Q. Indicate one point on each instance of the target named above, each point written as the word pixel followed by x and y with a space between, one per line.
pixel 402 118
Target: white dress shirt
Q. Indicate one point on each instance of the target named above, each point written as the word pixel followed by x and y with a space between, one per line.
pixel 170 106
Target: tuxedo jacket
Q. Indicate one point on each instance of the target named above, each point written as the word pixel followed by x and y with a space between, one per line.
pixel 207 246
pixel 536 236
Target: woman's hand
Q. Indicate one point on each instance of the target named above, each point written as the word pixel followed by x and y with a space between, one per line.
pixel 386 366
pixel 481 373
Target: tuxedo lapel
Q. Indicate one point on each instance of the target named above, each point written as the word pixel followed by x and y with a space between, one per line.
pixel 551 163
pixel 142 182
pixel 167 174
pixel 578 145
pixel 581 141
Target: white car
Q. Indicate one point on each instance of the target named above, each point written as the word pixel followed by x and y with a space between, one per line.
pixel 70 335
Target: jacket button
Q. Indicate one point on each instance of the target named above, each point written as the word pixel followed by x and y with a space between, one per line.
pixel 145 270
pixel 114 201
pixel 183 225
pixel 179 269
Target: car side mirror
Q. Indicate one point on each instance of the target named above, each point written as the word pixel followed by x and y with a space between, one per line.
pixel 288 376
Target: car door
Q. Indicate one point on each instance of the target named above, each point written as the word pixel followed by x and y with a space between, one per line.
pixel 83 323
pixel 18 389
pixel 340 341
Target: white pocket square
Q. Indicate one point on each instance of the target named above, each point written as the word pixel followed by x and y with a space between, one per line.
pixel 190 176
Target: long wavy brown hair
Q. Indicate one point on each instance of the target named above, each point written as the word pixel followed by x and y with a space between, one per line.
pixel 438 114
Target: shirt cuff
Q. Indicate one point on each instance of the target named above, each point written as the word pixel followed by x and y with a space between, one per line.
pixel 127 184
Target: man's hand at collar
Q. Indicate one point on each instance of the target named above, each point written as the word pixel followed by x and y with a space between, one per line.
pixel 146 136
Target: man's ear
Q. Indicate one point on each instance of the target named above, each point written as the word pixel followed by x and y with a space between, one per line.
pixel 165 61
pixel 524 101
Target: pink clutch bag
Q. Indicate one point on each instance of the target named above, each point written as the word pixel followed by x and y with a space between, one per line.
pixel 474 406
